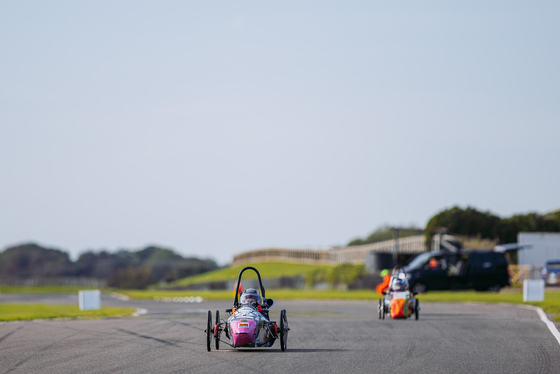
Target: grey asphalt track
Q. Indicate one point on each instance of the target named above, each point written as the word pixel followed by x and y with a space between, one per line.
pixel 325 337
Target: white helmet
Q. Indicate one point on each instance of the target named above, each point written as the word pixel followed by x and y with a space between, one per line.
pixel 399 284
pixel 250 297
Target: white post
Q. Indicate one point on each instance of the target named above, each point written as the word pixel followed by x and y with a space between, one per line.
pixel 533 290
pixel 90 300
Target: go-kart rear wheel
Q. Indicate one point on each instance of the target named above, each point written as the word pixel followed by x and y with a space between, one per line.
pixel 380 307
pixel 209 332
pixel 383 309
pixel 283 330
pixel 217 331
pixel 416 308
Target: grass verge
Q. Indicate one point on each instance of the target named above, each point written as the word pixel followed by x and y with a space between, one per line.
pixel 268 269
pixel 277 294
pixel 551 304
pixel 44 289
pixel 19 312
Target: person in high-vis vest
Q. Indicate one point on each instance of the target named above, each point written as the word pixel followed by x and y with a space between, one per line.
pixel 383 286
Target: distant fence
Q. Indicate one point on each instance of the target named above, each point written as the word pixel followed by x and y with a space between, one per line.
pixel 56 281
pixel 352 254
pixel 519 273
pixel 357 254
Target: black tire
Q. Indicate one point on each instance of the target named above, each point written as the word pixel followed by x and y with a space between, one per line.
pixel 283 330
pixel 380 307
pixel 384 309
pixel 416 308
pixel 209 332
pixel 217 333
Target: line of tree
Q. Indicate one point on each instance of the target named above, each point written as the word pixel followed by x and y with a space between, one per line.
pixel 342 274
pixel 122 269
pixel 471 222
pixel 385 232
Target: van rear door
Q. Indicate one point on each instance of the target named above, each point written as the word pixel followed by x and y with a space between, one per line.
pixel 488 269
pixel 458 270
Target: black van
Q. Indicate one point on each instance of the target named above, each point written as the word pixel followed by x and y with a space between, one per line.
pixel 482 270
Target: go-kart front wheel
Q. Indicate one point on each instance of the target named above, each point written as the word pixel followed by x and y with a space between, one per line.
pixel 217 331
pixel 209 332
pixel 283 330
pixel 416 308
pixel 380 307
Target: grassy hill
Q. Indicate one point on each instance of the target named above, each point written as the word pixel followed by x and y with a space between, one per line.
pixel 268 270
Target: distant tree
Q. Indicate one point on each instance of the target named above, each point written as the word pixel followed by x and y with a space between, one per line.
pixel 553 216
pixel 357 241
pixel 83 266
pixel 156 255
pixel 531 222
pixel 385 233
pixel 468 222
pixel 485 225
pixel 134 269
pixel 131 278
pixel 108 263
pixel 316 277
pixel 344 274
pixel 32 260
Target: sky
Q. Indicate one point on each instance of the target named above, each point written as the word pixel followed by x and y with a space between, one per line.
pixel 216 127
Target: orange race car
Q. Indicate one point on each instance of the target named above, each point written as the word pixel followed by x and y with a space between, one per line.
pixel 397 300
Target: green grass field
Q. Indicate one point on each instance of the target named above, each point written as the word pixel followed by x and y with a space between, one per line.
pixel 18 312
pixel 512 296
pixel 266 269
pixel 41 289
pixel 277 294
pixel 10 312
pixel 551 303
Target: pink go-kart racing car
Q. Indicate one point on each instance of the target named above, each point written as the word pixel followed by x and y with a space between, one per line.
pixel 249 324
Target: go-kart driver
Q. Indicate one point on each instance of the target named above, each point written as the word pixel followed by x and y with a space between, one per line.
pixel 251 298
pixel 399 284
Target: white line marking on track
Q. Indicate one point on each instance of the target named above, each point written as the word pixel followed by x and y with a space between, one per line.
pixel 120 296
pixel 139 312
pixel 551 326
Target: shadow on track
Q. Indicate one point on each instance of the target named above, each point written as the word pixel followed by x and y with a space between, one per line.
pixel 289 350
pixel 166 342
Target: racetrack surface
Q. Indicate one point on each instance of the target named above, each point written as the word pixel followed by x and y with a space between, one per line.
pixel 325 337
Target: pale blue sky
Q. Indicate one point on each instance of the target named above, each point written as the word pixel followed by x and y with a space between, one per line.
pixel 217 127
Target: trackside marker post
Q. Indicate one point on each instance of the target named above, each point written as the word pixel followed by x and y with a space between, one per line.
pixel 89 300
pixel 533 290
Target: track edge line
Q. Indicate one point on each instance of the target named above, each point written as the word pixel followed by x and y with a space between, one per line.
pixel 551 326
